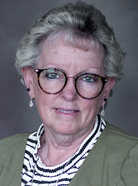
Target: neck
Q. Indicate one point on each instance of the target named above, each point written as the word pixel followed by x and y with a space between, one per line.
pixel 57 148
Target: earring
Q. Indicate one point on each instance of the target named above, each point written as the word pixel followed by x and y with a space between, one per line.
pixel 103 108
pixel 31 103
pixel 31 100
pixel 103 111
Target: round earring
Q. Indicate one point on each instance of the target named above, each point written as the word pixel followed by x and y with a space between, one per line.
pixel 31 103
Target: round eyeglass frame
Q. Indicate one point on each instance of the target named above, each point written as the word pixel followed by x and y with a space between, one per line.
pixel 38 71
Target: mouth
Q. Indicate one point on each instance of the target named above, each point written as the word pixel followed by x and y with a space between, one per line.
pixel 66 111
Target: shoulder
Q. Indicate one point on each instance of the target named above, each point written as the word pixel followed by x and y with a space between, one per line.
pixel 112 161
pixel 117 135
pixel 12 151
pixel 115 144
pixel 14 140
pixel 13 144
pixel 125 149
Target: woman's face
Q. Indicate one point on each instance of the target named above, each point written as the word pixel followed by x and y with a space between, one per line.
pixel 66 112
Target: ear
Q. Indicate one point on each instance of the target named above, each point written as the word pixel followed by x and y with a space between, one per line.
pixel 108 87
pixel 28 75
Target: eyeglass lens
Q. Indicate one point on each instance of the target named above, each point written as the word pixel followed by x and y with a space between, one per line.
pixel 52 80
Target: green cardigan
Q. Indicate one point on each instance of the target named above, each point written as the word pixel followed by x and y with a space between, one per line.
pixel 113 161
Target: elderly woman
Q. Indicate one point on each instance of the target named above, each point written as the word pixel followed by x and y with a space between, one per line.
pixel 69 61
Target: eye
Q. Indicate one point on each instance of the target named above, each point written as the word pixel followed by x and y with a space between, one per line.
pixel 52 75
pixel 89 78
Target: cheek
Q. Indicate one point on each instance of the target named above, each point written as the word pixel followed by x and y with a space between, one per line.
pixel 42 100
pixel 91 107
pixel 43 104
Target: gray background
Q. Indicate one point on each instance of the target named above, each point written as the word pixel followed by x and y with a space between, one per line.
pixel 16 16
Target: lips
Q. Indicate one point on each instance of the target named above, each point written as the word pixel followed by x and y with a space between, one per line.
pixel 66 111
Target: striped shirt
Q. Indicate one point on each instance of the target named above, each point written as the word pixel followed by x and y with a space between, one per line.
pixel 35 173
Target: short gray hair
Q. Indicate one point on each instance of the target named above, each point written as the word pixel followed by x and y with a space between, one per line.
pixel 78 20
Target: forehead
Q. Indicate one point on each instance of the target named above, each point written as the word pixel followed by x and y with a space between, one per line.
pixel 62 51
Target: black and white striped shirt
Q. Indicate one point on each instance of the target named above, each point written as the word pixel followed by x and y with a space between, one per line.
pixel 35 173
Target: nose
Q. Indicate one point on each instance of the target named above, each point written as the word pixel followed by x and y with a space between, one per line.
pixel 69 92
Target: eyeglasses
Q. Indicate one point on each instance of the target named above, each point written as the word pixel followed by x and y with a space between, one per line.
pixel 87 85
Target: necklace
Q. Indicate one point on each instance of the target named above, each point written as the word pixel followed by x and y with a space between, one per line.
pixel 58 176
